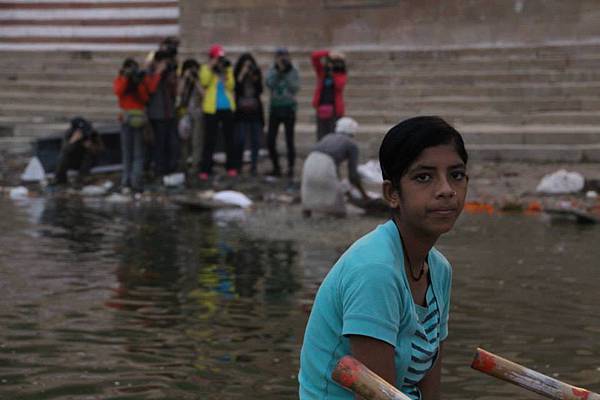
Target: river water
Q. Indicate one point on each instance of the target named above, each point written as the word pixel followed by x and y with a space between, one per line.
pixel 105 301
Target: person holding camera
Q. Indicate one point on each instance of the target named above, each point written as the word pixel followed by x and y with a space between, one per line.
pixel 161 111
pixel 133 88
pixel 249 118
pixel 81 146
pixel 216 78
pixel 189 110
pixel 328 99
pixel 284 82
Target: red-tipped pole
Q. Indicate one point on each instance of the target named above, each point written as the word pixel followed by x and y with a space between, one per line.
pixel 355 376
pixel 529 379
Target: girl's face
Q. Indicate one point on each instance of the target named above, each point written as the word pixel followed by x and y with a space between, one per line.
pixel 432 191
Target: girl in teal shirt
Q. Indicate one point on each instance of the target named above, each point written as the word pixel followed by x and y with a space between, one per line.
pixel 386 299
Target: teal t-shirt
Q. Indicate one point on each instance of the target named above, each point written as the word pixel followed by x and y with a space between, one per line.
pixel 367 293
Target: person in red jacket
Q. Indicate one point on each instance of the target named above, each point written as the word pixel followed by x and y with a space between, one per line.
pixel 328 99
pixel 133 88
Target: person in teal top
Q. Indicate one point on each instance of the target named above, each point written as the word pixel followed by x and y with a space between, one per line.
pixel 386 300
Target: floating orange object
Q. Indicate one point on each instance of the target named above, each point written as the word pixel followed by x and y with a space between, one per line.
pixel 475 207
pixel 534 207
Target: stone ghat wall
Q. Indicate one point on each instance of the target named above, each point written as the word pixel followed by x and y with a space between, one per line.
pixel 385 23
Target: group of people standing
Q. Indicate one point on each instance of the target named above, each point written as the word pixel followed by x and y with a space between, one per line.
pixel 171 113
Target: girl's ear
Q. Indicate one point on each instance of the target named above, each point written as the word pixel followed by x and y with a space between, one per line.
pixel 390 194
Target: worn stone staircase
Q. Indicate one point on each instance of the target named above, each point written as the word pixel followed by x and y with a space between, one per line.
pixel 523 103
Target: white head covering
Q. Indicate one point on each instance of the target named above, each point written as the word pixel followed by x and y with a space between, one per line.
pixel 346 125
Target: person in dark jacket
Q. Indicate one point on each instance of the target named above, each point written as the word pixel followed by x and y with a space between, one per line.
pixel 81 146
pixel 284 82
pixel 162 116
pixel 249 116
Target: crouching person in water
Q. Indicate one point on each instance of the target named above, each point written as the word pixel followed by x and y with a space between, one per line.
pixel 386 299
pixel 80 150
pixel 321 189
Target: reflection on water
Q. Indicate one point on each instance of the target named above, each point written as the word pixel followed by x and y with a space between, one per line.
pixel 138 302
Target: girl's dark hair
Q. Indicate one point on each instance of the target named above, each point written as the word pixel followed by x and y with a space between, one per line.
pixel 241 61
pixel 403 144
pixel 128 63
pixel 189 63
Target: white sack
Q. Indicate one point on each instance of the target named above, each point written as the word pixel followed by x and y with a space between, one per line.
pixel 370 171
pixel 176 179
pixel 561 181
pixel 34 172
pixel 233 197
pixel 19 192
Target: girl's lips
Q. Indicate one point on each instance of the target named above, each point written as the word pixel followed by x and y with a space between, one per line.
pixel 443 211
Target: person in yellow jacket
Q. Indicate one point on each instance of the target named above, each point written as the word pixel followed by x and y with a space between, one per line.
pixel 216 77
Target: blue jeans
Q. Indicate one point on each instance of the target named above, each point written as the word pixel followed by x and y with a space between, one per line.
pixel 254 130
pixel 132 150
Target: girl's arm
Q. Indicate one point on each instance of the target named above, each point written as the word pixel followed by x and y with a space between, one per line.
pixel 259 83
pixel 229 79
pixel 316 60
pixel 152 80
pixel 181 84
pixel 271 77
pixel 143 93
pixel 430 384
pixel 340 80
pixel 293 80
pixel 377 355
pixel 119 85
pixel 206 75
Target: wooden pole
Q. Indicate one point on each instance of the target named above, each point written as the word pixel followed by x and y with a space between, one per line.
pixel 354 375
pixel 519 375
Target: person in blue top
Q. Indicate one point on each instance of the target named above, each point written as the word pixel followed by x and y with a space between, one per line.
pixel 386 300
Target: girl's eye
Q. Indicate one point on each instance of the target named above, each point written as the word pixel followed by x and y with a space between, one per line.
pixel 458 175
pixel 422 178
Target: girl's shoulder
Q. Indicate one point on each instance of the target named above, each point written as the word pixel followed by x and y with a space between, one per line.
pixel 375 247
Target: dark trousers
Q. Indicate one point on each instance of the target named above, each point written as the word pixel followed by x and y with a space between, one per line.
pixel 287 117
pixel 325 126
pixel 253 130
pixel 132 151
pixel 74 156
pixel 220 122
pixel 165 146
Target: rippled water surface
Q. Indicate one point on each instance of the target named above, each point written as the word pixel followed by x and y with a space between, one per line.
pixel 143 302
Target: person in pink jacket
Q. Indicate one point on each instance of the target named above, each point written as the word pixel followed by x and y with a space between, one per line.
pixel 328 99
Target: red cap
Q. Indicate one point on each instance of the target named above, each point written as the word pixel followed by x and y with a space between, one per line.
pixel 216 51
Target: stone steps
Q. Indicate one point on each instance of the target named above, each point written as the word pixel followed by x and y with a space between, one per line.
pixel 366 54
pixel 473 133
pixel 538 100
pixel 353 90
pixel 493 143
pixel 44 100
pixel 379 65
pixel 536 153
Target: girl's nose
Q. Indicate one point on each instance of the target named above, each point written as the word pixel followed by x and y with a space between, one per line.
pixel 445 190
